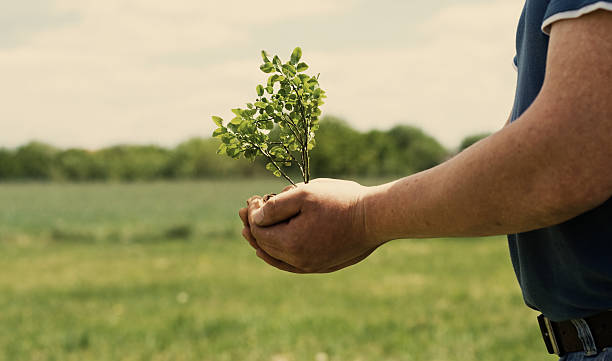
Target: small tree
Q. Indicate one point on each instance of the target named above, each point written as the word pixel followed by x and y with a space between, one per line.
pixel 290 100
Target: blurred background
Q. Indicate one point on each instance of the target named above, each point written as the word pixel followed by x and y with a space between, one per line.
pixel 119 235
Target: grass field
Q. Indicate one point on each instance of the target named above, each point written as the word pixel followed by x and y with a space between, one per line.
pixel 159 272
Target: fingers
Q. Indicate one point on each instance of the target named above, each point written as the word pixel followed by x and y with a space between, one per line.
pixel 276 263
pixel 246 231
pixel 272 240
pixel 271 244
pixel 252 199
pixel 279 208
pixel 288 188
pixel 350 262
pixel 254 204
pixel 244 214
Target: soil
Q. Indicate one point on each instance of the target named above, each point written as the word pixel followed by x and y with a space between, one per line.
pixel 268 196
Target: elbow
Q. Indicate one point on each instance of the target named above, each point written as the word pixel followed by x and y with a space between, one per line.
pixel 572 198
pixel 590 196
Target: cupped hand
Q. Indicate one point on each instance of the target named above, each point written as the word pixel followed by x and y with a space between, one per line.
pixel 312 228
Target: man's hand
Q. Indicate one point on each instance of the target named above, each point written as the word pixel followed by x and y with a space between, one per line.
pixel 312 228
pixel 550 165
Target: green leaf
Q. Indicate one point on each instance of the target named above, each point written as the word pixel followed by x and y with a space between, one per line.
pixel 227 138
pixel 219 132
pixel 287 164
pixel 268 125
pixel 269 110
pixel 296 55
pixel 264 56
pixel 270 89
pixel 233 152
pixel 233 127
pixel 217 120
pixel 236 121
pixel 302 67
pixel 277 61
pixel 242 127
pixel 267 68
pixel 250 154
pixel 272 79
pixel 261 104
pixel 237 111
pixel 312 143
pixel 277 173
pixel 260 90
pixel 270 166
pixel 303 78
pixel 289 70
pixel 222 149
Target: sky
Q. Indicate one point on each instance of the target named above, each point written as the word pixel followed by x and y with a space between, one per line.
pixel 90 73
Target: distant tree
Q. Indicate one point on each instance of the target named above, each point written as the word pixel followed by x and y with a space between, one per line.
pixel 338 149
pixel 402 150
pixel 79 165
pixel 414 150
pixel 35 160
pixel 8 166
pixel 341 151
pixel 196 158
pixel 130 163
pixel 471 139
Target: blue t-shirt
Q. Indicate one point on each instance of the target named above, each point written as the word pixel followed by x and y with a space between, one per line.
pixel 565 271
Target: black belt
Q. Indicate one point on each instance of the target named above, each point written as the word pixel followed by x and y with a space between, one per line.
pixel 591 334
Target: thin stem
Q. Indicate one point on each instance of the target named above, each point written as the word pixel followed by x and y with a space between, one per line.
pixel 291 155
pixel 305 155
pixel 295 129
pixel 274 163
pixel 295 160
pixel 296 133
pixel 267 155
pixel 257 121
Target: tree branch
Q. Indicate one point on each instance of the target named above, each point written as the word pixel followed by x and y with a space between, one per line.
pixel 274 163
pixel 305 155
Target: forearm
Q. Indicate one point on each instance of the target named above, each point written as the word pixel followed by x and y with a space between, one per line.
pixel 524 177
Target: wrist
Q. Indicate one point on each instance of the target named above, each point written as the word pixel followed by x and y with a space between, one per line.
pixel 371 202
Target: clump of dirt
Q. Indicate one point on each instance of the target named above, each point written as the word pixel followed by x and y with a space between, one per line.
pixel 268 196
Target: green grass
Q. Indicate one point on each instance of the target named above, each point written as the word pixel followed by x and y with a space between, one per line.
pixel 159 272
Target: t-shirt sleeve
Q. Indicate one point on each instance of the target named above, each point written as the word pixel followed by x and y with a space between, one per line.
pixel 570 9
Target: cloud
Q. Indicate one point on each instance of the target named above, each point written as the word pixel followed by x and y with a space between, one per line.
pixel 99 81
pixel 456 80
pixel 19 20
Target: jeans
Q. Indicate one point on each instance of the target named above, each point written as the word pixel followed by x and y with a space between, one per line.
pixel 605 355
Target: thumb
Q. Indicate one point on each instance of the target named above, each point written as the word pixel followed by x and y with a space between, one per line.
pixel 278 208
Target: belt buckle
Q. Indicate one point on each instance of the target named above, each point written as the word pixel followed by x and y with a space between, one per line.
pixel 548 334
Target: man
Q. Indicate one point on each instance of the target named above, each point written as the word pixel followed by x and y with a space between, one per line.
pixel 545 179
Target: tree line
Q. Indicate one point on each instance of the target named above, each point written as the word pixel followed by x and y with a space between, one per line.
pixel 341 151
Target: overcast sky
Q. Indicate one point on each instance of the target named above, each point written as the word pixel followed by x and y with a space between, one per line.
pixel 92 73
